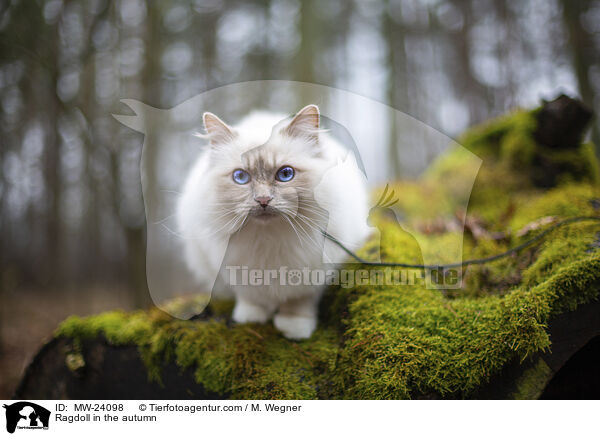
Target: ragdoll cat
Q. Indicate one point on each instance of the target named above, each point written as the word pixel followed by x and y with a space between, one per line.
pixel 251 196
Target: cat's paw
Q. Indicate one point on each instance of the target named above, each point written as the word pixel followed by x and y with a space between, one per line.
pixel 295 326
pixel 244 312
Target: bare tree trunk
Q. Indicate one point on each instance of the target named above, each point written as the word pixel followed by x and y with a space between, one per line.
pixel 397 83
pixel 467 87
pixel 304 68
pixel 585 55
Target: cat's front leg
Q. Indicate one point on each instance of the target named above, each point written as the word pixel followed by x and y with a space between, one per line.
pixel 246 311
pixel 297 318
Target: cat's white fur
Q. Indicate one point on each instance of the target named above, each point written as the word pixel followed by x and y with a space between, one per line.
pixel 223 225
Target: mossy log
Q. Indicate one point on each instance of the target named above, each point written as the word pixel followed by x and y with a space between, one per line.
pixel 111 372
pixel 118 372
pixel 519 328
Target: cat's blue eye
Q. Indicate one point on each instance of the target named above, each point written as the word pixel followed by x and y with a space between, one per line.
pixel 240 177
pixel 285 174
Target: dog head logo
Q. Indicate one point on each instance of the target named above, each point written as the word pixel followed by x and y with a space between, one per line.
pixel 26 415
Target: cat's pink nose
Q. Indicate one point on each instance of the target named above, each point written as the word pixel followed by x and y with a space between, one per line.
pixel 263 201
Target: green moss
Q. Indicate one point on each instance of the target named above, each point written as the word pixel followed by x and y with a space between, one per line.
pixel 247 361
pixel 450 347
pixel 532 382
pixel 591 166
pixel 74 358
pixel 512 161
pixel 407 341
pixel 486 139
pixel 517 149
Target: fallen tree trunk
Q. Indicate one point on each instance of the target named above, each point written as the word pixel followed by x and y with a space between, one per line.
pixel 111 373
pixel 118 373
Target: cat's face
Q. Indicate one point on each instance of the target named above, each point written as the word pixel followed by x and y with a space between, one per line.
pixel 270 182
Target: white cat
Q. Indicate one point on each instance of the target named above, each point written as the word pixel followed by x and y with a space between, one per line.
pixel 249 201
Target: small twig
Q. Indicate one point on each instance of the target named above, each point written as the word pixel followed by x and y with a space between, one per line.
pixel 304 354
pixel 374 338
pixel 534 225
pixel 255 333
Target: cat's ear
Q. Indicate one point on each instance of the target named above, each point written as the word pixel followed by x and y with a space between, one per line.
pixel 217 130
pixel 305 123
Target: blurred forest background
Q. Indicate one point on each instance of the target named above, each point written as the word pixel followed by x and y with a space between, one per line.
pixel 71 211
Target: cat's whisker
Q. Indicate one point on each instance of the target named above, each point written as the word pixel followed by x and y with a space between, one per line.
pixel 218 220
pixel 164 219
pixel 314 222
pixel 310 200
pixel 171 191
pixel 297 226
pixel 221 214
pixel 173 232
pixel 244 222
pixel 317 218
pixel 313 225
pixel 320 213
pixel 309 222
pixel 222 227
pixel 294 229
pixel 315 244
pixel 315 205
pixel 180 235
pixel 238 225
